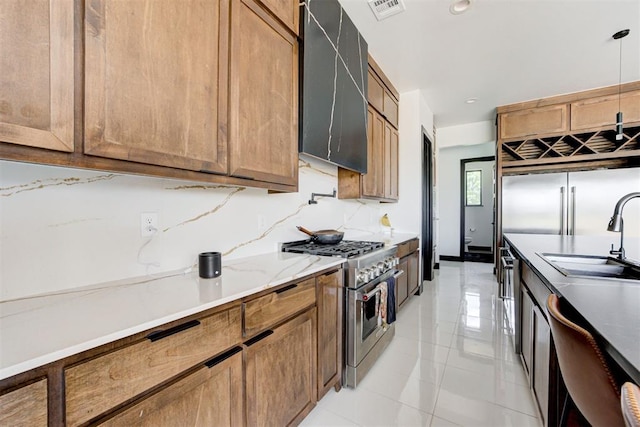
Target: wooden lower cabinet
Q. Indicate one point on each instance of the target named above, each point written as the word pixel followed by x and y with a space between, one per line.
pixel 526 330
pixel 330 317
pixel 25 406
pixel 538 354
pixel 402 284
pixel 541 357
pixel 210 396
pixel 408 283
pixel 280 373
pixel 100 384
pixel 413 272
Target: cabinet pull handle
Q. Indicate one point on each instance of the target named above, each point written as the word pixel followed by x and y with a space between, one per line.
pixel 257 338
pixel 158 335
pixel 286 288
pixel 224 356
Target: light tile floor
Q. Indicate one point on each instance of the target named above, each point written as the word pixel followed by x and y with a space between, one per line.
pixel 450 363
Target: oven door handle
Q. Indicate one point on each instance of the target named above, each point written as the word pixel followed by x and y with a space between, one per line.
pixel 368 295
pixel 398 273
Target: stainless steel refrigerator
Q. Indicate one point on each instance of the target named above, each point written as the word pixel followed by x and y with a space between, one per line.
pixel 570 203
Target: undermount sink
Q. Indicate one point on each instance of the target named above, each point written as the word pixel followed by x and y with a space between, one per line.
pixel 593 266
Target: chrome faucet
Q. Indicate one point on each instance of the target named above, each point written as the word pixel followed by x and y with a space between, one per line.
pixel 617 224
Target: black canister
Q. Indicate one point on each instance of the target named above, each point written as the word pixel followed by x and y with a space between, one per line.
pixel 209 264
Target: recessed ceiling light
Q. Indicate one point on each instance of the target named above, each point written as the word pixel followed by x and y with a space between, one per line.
pixel 459 6
pixel 471 100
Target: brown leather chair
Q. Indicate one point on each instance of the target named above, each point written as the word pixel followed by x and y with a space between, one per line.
pixel 630 402
pixel 584 369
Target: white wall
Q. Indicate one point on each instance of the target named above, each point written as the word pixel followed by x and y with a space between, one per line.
pixel 406 215
pixel 467 134
pixel 478 219
pixel 448 180
pixel 62 228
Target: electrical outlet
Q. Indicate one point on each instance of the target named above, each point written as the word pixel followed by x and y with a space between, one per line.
pixel 148 224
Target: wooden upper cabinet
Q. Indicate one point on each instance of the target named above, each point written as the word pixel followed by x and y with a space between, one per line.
pixel 390 107
pixel 534 121
pixel 155 84
pixel 287 11
pixel 25 406
pixel 37 69
pixel 598 112
pixel 375 91
pixel 372 181
pixel 263 109
pixel 390 162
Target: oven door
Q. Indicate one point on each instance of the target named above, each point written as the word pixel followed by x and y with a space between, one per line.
pixel 364 329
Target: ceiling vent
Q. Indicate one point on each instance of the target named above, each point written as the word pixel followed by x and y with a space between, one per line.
pixel 386 8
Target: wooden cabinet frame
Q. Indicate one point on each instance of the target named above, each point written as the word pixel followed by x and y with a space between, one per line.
pixel 58 134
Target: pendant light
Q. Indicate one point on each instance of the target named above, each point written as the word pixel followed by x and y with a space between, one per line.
pixel 619 36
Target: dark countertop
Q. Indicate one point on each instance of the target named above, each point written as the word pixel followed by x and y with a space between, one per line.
pixel 610 306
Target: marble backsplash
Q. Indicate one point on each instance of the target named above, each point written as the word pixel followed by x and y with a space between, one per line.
pixel 62 228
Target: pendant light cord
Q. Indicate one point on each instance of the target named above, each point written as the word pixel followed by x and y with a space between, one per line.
pixel 620 76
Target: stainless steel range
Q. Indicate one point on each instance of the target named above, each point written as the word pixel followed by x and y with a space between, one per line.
pixel 369 265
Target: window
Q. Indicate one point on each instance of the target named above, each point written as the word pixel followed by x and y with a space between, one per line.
pixel 473 188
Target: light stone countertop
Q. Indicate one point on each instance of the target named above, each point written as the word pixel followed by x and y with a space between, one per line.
pixel 41 329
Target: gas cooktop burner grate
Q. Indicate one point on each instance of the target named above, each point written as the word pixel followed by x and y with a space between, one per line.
pixel 344 249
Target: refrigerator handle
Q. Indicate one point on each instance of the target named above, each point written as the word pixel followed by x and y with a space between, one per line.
pixel 563 209
pixel 572 224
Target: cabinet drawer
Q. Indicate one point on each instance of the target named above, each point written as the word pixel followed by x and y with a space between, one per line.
pixel 26 406
pixel 405 248
pixel 100 384
pixel 535 121
pixel 261 313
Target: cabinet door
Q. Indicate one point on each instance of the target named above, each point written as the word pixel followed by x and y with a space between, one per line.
pixel 375 91
pixel 280 373
pixel 413 270
pixel 599 112
pixel 390 162
pixel 402 283
pixel 390 109
pixel 287 11
pixel 25 406
pixel 36 65
pixel 330 297
pixel 526 331
pixel 263 109
pixel 155 83
pixel 373 180
pixel 541 354
pixel 210 396
pixel 534 121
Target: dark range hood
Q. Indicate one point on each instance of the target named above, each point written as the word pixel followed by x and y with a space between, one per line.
pixel 334 86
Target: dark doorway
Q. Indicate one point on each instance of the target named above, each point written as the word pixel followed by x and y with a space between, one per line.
pixel 428 250
pixel 477 205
